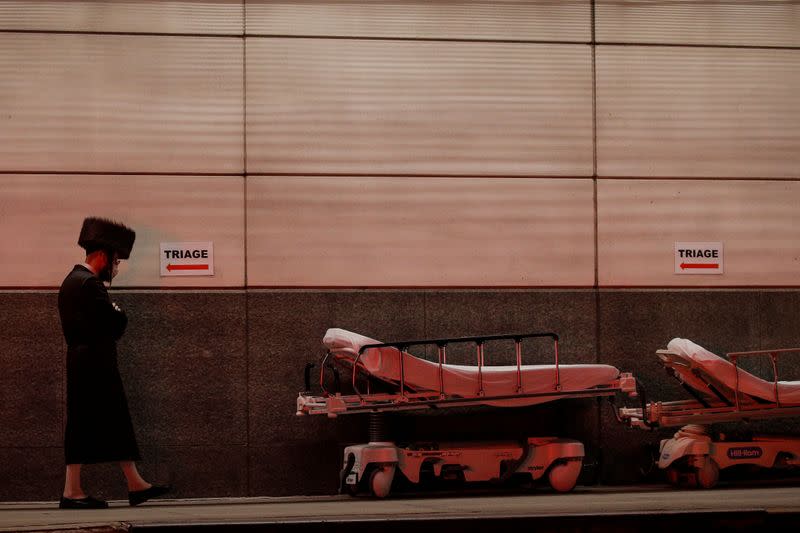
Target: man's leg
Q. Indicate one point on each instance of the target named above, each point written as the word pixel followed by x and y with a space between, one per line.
pixel 135 480
pixel 72 483
pixel 139 490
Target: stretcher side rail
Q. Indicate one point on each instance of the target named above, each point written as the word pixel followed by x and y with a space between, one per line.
pixel 479 341
pixel 773 355
pixel 408 399
pixel 730 403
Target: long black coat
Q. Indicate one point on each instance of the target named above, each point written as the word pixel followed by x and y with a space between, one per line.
pixel 99 426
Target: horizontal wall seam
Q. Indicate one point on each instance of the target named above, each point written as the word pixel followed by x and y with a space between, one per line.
pixel 426 288
pixel 124 33
pixel 696 45
pixel 401 38
pixel 297 36
pixel 388 175
pixel 697 178
pixel 417 39
pixel 117 173
pixel 132 290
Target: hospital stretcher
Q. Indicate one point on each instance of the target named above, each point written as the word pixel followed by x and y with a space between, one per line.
pixel 385 377
pixel 722 392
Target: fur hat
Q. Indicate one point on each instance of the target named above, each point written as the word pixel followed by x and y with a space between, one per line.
pixel 101 233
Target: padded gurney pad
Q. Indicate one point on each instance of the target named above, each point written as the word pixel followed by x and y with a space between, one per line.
pixel 723 370
pixel 463 380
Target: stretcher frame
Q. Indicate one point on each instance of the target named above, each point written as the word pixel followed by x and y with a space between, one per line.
pixel 334 404
pixel 727 405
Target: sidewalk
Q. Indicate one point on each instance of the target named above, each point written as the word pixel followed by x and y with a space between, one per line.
pixel 598 502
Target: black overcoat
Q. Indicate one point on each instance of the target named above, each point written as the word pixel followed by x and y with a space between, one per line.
pixel 98 425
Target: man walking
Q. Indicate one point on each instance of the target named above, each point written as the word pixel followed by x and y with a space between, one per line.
pixel 99 427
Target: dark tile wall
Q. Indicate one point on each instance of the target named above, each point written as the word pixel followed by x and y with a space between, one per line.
pixel 779 320
pixel 310 467
pixel 31 473
pixel 634 324
pixel 212 377
pixel 203 471
pixel 184 361
pixel 32 360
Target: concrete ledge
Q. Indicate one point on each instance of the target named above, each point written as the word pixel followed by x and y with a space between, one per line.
pixel 597 508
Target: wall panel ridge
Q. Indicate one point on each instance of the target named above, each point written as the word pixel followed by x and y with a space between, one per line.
pixel 538 20
pixel 757 221
pixel 698 112
pixel 121 103
pixel 320 106
pixel 689 22
pixel 159 208
pixel 423 231
pixel 211 17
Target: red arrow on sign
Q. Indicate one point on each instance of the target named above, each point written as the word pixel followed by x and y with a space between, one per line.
pixel 171 267
pixel 699 265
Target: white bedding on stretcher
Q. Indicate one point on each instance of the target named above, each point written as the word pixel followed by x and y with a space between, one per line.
pixel 463 380
pixel 723 370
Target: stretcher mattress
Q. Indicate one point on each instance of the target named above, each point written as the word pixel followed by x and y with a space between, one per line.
pixel 723 371
pixel 463 380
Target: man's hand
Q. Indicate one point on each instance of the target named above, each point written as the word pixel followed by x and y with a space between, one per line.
pixel 116 307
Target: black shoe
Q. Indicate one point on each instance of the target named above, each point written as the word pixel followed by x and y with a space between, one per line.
pixel 135 497
pixel 82 503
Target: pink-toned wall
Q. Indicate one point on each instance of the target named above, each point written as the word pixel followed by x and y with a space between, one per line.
pixel 405 169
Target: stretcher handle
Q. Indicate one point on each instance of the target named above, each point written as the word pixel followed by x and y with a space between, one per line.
pixel 307 376
pixel 479 346
pixel 401 351
pixel 355 371
pixel 518 349
pixel 734 360
pixel 558 372
pixel 774 358
pixel 442 349
pixel 325 364
pixel 322 373
pixel 483 338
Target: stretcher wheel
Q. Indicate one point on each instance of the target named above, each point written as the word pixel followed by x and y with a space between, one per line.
pixel 708 474
pixel 673 475
pixel 380 482
pixel 352 490
pixel 564 476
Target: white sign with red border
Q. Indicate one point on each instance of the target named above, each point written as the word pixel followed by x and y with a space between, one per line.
pixel 187 258
pixel 698 258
